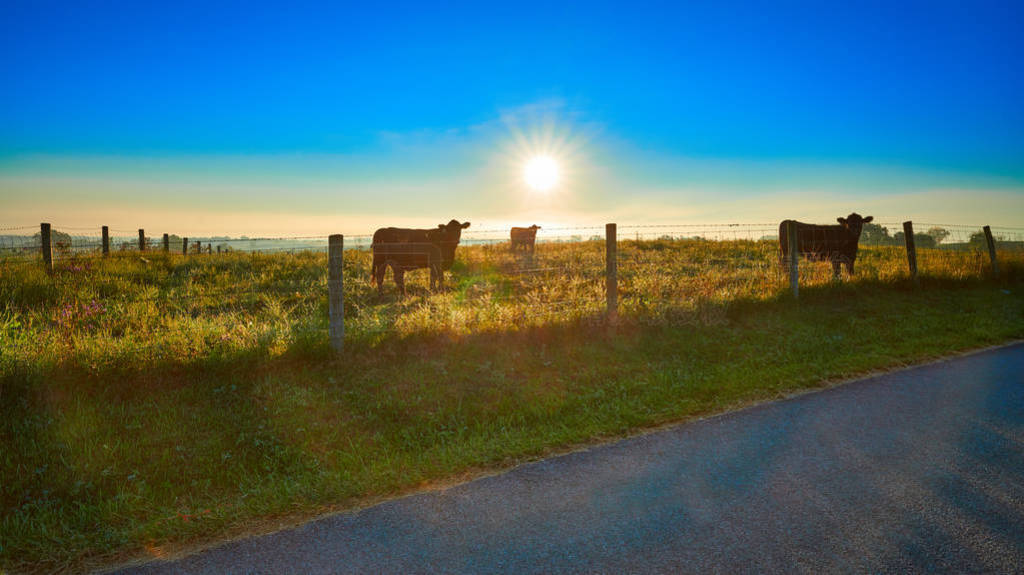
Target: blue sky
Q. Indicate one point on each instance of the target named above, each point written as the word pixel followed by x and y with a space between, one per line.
pixel 344 115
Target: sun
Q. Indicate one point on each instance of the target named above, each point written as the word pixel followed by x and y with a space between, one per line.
pixel 541 173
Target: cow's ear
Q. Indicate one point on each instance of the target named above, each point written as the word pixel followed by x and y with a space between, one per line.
pixel 465 225
pixel 868 219
pixel 841 220
pixel 440 226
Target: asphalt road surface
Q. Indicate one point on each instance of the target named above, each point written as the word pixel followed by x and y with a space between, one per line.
pixel 920 470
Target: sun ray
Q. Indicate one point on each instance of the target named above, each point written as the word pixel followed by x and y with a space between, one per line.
pixel 543 154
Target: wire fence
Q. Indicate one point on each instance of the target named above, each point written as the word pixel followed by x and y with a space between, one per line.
pixel 66 239
pixel 670 272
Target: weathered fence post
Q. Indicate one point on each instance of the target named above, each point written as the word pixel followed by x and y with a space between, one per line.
pixel 611 269
pixel 184 246
pixel 106 241
pixel 908 235
pixel 335 294
pixel 991 250
pixel 218 248
pixel 794 258
pixel 44 238
pixel 142 240
pixel 167 242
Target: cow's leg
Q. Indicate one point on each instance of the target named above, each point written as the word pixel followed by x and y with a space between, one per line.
pixel 399 272
pixel 379 269
pixel 836 265
pixel 849 267
pixel 440 277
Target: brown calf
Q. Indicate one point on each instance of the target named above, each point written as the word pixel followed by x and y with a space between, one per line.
pixel 524 237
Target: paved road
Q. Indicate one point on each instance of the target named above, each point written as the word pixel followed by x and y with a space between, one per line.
pixel 919 470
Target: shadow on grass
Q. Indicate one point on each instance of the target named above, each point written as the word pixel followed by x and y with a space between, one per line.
pixel 309 344
pixel 99 460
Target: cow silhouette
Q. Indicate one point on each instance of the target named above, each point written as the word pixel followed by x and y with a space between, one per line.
pixel 405 249
pixel 524 237
pixel 835 244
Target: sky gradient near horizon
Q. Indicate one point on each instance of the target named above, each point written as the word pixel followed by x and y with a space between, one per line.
pixel 309 118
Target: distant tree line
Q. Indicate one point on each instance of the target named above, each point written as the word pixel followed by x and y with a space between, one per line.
pixel 878 235
pixel 55 238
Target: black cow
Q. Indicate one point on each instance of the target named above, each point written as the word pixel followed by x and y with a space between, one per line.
pixel 836 244
pixel 524 237
pixel 407 249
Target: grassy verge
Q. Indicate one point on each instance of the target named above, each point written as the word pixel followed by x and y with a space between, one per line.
pixel 117 444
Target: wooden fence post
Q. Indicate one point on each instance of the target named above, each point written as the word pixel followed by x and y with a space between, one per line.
pixel 167 243
pixel 184 246
pixel 335 293
pixel 218 248
pixel 142 240
pixel 908 235
pixel 794 258
pixel 991 250
pixel 611 269
pixel 106 241
pixel 44 238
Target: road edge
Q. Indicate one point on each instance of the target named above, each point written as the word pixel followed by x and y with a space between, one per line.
pixel 285 523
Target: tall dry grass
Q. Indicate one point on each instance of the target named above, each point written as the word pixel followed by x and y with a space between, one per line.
pixel 128 310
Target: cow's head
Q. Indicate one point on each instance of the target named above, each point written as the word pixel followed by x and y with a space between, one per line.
pixel 534 227
pixel 450 234
pixel 453 229
pixel 854 223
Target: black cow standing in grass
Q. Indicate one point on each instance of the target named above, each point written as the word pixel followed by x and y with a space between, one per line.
pixel 524 237
pixel 836 244
pixel 407 249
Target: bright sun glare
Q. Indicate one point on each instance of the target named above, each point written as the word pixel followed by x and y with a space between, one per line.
pixel 541 173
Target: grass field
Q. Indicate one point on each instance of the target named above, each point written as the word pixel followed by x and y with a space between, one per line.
pixel 146 403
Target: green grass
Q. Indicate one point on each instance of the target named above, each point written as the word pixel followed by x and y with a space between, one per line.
pixel 151 403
